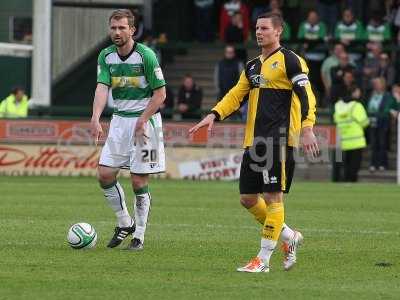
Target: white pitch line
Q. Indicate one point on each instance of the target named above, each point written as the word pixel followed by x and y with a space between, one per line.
pixel 316 230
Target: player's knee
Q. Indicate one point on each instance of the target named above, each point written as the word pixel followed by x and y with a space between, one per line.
pixel 105 177
pixel 139 181
pixel 273 197
pixel 248 200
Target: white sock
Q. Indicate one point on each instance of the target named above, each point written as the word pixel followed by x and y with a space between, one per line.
pixel 116 199
pixel 267 248
pixel 142 208
pixel 287 233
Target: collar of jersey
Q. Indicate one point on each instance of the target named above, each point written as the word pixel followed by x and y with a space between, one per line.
pixel 125 57
pixel 272 53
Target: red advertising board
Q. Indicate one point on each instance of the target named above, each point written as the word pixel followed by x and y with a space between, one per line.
pixel 175 133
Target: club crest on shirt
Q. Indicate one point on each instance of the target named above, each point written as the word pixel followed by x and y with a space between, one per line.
pixel 274 65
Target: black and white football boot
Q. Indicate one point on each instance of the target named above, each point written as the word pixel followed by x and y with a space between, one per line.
pixel 121 233
pixel 135 245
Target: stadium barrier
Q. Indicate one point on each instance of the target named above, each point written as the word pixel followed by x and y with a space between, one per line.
pixel 66 148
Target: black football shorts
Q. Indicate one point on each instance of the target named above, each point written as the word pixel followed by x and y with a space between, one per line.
pixel 266 169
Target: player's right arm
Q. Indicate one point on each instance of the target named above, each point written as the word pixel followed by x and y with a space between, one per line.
pixel 101 95
pixel 229 104
pixel 100 100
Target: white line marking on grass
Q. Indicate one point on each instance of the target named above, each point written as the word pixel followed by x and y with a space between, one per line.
pixel 235 227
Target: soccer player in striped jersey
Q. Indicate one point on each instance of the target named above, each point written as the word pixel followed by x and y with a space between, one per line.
pixel 132 73
pixel 281 107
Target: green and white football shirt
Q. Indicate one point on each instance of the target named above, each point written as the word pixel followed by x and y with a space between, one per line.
pixel 132 78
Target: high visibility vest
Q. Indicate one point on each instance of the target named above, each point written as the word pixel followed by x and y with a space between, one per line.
pixel 351 119
pixel 9 108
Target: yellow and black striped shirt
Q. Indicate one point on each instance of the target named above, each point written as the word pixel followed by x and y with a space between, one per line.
pixel 280 98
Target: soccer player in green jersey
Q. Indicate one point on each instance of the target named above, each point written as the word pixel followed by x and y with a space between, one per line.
pixel 132 73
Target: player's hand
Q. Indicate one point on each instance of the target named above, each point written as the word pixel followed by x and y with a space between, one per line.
pixel 140 132
pixel 207 121
pixel 309 141
pixel 96 130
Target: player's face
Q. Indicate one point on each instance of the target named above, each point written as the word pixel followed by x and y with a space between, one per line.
pixel 120 32
pixel 266 33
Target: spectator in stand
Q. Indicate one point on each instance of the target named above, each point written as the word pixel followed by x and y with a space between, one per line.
pixel 371 65
pixel 139 25
pixel 15 105
pixel 395 16
pixel 167 108
pixel 312 29
pixel 313 33
pixel 351 119
pixel 377 30
pixel 327 65
pixel 380 106
pixel 386 69
pixel 328 10
pixel 189 99
pixel 227 11
pixel 337 74
pixel 346 88
pixel 203 17
pixel 396 95
pixel 235 34
pixel 349 29
pixel 227 71
pixel 358 7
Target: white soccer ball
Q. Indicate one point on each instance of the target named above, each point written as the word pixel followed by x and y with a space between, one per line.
pixel 82 235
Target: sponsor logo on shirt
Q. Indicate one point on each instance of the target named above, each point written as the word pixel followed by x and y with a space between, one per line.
pixel 258 80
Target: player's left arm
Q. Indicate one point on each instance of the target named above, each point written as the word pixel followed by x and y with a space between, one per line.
pixel 155 78
pixel 297 72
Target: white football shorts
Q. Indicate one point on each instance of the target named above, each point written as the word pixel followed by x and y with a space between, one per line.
pixel 120 151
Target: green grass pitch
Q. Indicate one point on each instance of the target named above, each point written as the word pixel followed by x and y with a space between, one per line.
pixel 197 236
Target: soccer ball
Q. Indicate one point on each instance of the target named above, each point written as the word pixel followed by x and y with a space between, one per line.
pixel 82 235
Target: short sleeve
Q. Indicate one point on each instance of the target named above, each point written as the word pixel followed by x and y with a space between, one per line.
pixel 152 70
pixel 103 72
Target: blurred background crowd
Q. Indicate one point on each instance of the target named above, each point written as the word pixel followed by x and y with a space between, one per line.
pixel 352 48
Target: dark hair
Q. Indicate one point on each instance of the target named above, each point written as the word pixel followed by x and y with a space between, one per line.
pixel 276 18
pixel 312 11
pixel 123 13
pixel 333 46
pixel 17 89
pixel 348 9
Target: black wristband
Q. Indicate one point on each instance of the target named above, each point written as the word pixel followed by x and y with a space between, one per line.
pixel 216 114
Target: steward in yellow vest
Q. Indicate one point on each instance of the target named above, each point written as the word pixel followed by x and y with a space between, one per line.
pixel 351 119
pixel 15 105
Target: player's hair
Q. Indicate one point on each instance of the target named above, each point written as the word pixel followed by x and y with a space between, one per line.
pixel 123 13
pixel 276 18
